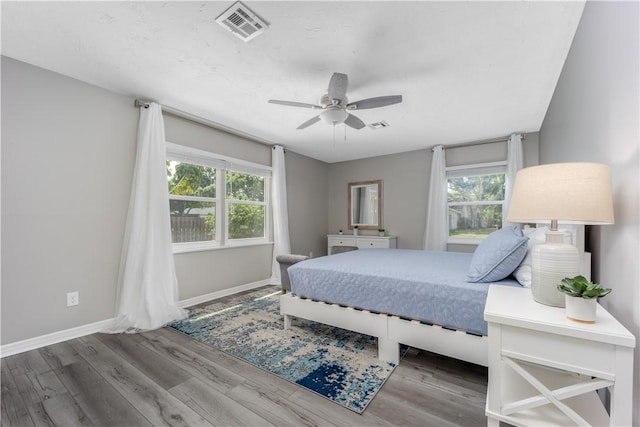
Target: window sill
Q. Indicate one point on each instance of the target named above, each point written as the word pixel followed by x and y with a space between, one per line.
pixel 464 241
pixel 184 249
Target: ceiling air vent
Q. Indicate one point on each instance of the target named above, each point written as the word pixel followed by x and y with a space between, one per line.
pixel 242 22
pixel 379 125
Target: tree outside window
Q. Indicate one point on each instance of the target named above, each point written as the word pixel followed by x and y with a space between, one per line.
pixel 192 202
pixel 475 205
pixel 245 194
pixel 211 206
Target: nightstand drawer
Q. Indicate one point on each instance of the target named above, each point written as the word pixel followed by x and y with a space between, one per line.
pixel 562 352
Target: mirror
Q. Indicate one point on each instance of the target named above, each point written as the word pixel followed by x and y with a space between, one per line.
pixel 365 205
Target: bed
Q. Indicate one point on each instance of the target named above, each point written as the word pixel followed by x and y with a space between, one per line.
pixel 419 298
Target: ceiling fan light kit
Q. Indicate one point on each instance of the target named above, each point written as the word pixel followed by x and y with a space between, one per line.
pixel 335 104
pixel 334 115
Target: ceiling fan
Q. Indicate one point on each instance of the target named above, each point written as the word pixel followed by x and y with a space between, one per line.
pixel 334 104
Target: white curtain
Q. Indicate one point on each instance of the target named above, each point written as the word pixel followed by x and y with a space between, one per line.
pixel 281 243
pixel 514 164
pixel 436 233
pixel 147 284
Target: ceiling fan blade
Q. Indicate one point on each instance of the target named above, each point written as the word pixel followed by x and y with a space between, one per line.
pixel 294 104
pixel 354 122
pixel 338 87
pixel 380 101
pixel 309 122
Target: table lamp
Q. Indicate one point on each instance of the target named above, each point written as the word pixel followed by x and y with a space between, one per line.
pixel 569 193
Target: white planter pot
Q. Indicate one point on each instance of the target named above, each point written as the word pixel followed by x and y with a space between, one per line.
pixel 581 309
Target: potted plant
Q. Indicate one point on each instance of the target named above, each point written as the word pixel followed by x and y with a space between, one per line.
pixel 581 298
pixel 381 232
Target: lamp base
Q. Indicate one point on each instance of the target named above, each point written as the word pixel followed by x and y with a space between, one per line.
pixel 551 262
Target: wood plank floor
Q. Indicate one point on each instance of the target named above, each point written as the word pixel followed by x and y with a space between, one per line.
pixel 166 378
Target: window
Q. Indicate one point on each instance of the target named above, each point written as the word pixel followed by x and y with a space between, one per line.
pixel 215 201
pixel 246 206
pixel 475 195
pixel 192 202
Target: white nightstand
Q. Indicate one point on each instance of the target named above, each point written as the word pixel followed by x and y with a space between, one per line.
pixel 544 369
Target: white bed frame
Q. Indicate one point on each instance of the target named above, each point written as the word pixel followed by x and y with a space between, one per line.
pixel 392 330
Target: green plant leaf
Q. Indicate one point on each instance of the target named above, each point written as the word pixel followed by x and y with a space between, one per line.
pixel 580 287
pixel 569 290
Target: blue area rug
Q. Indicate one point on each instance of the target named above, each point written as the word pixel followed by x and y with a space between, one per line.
pixel 340 365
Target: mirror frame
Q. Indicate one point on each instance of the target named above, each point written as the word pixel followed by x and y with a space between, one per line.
pixel 351 186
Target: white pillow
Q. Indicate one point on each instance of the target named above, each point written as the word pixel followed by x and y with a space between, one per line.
pixel 536 236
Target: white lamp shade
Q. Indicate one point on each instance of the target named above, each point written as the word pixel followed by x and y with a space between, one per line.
pixel 578 193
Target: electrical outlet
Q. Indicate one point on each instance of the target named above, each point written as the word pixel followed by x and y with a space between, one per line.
pixel 73 298
pixel 310 254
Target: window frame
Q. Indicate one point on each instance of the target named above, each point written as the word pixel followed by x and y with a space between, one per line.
pixel 469 170
pixel 267 218
pixel 221 164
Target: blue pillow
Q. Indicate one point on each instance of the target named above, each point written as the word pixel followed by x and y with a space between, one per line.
pixel 498 255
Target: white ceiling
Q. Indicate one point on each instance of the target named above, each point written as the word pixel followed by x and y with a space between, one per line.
pixel 467 70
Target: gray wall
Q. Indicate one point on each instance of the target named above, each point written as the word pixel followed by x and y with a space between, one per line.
pixel 594 116
pixel 191 134
pixel 68 151
pixel 200 273
pixel 405 179
pixel 307 194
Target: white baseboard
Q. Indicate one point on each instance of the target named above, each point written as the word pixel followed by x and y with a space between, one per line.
pixel 91 328
pixel 53 338
pixel 223 293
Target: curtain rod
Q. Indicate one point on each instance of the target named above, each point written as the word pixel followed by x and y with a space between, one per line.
pixel 138 103
pixel 471 144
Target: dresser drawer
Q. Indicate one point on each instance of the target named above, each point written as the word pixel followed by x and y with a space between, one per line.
pixel 342 241
pixel 364 243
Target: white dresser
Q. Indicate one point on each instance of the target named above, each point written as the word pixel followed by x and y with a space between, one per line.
pixel 544 369
pixel 361 242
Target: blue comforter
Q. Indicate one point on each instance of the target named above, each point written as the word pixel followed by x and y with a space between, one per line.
pixel 413 284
